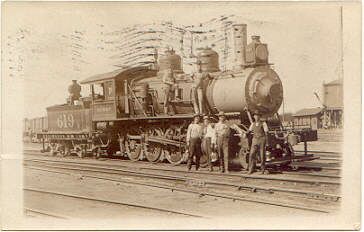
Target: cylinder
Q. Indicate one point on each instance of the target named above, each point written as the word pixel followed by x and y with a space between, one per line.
pixel 240 42
pixel 208 60
pixel 257 88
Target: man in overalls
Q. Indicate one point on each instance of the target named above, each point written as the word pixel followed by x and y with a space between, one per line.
pixel 260 137
pixel 222 140
pixel 193 139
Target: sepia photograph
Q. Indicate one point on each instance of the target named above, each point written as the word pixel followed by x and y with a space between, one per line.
pixel 181 115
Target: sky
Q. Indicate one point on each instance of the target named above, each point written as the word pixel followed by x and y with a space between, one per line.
pixel 39 59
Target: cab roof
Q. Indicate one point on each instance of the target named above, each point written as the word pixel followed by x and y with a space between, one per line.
pixel 121 74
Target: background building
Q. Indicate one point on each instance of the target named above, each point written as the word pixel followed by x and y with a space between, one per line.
pixel 330 115
pixel 333 104
pixel 310 117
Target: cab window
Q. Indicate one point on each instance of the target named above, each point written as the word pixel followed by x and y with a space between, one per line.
pixel 109 90
pixel 98 91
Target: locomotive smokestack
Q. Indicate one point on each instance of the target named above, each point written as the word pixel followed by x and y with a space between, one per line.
pixel 240 43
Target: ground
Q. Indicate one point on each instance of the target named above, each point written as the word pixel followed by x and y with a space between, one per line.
pixel 202 209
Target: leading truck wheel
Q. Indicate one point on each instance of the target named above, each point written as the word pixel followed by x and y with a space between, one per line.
pixel 134 150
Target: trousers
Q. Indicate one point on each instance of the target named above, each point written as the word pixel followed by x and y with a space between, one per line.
pixel 223 152
pixel 258 144
pixel 206 150
pixel 197 101
pixel 194 151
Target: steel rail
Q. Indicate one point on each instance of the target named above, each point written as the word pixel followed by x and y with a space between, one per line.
pixel 245 176
pixel 110 202
pixel 200 193
pixel 319 152
pixel 42 212
pixel 253 188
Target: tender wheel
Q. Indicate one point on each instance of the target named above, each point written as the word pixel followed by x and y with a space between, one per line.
pixel 96 153
pixel 80 151
pixel 53 151
pixel 176 156
pixel 134 150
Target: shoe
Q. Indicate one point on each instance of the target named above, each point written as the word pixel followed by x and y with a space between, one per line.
pixel 211 170
pixel 250 172
pixel 264 172
pixel 222 171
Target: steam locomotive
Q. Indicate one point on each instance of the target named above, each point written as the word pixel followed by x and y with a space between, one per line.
pixel 124 114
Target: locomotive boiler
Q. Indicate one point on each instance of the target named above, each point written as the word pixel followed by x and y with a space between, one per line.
pixel 126 112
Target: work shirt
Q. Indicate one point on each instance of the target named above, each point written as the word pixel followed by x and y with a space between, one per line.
pixel 222 130
pixel 197 80
pixel 168 77
pixel 194 131
pixel 256 128
pixel 209 132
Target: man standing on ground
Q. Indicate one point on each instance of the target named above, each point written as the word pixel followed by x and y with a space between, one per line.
pixel 208 140
pixel 222 140
pixel 260 138
pixel 194 135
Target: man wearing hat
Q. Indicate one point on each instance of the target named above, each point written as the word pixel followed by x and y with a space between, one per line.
pixel 222 140
pixel 260 137
pixel 208 140
pixel 193 139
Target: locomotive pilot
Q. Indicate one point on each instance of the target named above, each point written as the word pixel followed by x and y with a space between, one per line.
pixel 169 86
pixel 222 140
pixel 193 139
pixel 208 140
pixel 260 138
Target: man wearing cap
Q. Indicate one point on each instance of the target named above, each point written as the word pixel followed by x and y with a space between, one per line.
pixel 222 140
pixel 193 139
pixel 260 137
pixel 208 140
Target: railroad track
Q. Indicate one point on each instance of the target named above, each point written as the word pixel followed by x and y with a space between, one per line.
pixel 302 168
pixel 314 179
pixel 83 197
pixel 314 198
pixel 32 211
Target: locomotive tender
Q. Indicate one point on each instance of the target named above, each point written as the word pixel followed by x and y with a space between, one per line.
pixel 124 113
